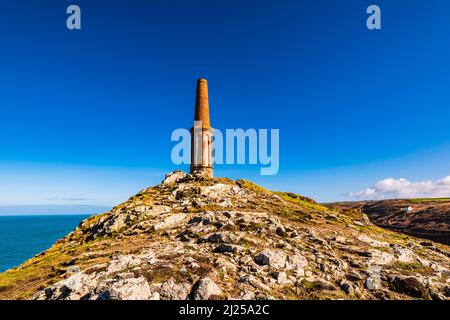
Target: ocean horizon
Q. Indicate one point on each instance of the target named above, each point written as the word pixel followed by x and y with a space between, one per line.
pixel 24 236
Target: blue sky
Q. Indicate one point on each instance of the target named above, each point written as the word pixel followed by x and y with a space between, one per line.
pixel 87 115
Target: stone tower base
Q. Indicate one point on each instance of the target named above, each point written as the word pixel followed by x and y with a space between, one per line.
pixel 207 172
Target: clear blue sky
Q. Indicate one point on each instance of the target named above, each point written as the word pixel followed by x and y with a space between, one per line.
pixel 86 116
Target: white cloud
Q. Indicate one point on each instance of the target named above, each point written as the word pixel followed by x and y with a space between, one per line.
pixel 403 188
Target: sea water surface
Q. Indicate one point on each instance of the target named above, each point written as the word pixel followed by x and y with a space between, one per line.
pixel 22 237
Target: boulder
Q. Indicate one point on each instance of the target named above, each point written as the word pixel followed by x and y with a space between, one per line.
pixel 346 287
pixel 73 269
pixel 297 263
pixel 294 234
pixel 206 289
pixel 246 295
pixel 170 290
pixel 224 248
pixel 404 254
pixel 170 221
pixel 410 286
pixel 447 291
pixel 322 284
pixel 365 221
pixel 373 282
pixel 373 242
pixel 437 296
pixel 173 177
pixel 280 277
pixel 272 258
pixel 281 232
pixel 72 288
pixel 223 237
pixel 378 257
pixel 128 289
pixel 353 276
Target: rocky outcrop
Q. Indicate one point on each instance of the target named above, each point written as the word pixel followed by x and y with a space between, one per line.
pixel 173 177
pixel 196 238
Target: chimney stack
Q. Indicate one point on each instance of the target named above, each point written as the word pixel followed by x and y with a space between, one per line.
pixel 202 103
pixel 202 134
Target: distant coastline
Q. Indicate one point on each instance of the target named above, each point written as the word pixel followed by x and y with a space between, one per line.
pixel 39 210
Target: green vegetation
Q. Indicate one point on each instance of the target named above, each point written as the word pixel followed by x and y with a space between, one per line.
pixel 93 219
pixel 418 200
pixel 295 196
pixel 224 181
pixel 306 204
pixel 250 186
pixel 408 266
pixel 302 201
pixel 295 216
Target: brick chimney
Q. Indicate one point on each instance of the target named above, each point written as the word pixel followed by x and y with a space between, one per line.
pixel 202 134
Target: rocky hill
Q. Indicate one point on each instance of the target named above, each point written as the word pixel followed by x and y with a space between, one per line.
pixel 423 218
pixel 197 238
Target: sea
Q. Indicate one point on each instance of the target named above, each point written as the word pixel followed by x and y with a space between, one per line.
pixel 22 237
